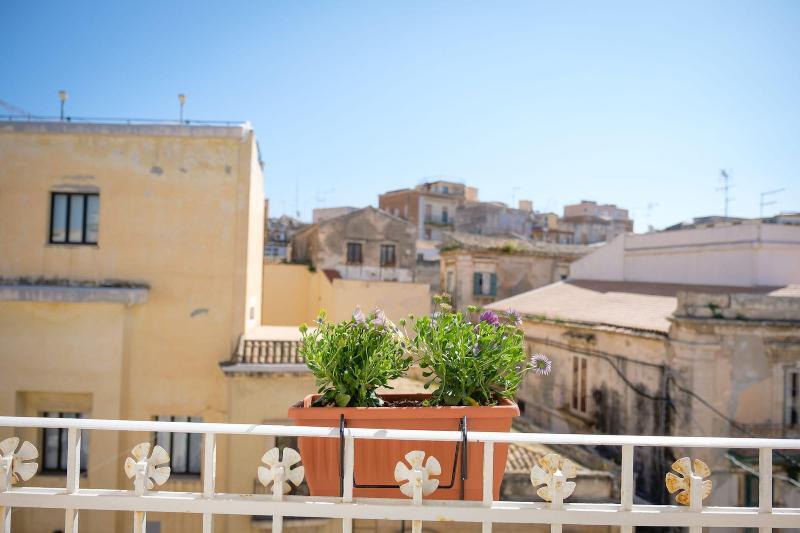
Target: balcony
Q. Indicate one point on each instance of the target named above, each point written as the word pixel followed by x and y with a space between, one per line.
pixel 145 475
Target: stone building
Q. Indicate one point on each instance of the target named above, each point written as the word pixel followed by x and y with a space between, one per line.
pixel 479 269
pixel 431 208
pixel 494 218
pixel 691 332
pixel 278 238
pixel 367 244
pixel 591 222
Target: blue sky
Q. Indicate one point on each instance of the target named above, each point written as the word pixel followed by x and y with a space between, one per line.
pixel 629 103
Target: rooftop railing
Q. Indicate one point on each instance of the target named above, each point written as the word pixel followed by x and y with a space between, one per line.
pixel 146 474
pixel 119 120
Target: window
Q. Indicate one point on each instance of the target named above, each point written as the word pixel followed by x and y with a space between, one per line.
pixel 183 448
pixel 428 213
pixel 354 253
pixel 55 445
pixel 484 284
pixel 387 255
pixel 449 284
pixel 74 218
pixel 444 215
pixel 579 376
pixel 791 393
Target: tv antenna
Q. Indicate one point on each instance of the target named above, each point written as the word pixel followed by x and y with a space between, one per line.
pixel 765 203
pixel 726 187
pixel 650 207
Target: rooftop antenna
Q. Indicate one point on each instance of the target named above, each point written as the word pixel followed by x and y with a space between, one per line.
pixel 727 186
pixel 62 95
pixel 182 100
pixel 650 207
pixel 764 203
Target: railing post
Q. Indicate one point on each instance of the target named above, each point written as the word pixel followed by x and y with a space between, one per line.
pixel 277 495
pixel 488 481
pixel 765 484
pixel 73 476
pixel 349 465
pixel 139 488
pixel 209 476
pixel 696 500
pixel 558 499
pixel 626 488
pixel 6 465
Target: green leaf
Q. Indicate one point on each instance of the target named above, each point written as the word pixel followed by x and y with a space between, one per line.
pixel 342 399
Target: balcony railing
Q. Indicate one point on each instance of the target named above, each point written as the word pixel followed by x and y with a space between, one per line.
pixel 146 475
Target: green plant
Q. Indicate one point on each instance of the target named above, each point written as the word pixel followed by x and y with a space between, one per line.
pixel 353 358
pixel 472 363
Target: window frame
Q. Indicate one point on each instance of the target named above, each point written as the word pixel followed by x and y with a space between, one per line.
pixel 63 444
pixel 579 385
pixel 791 397
pixel 189 471
pixel 84 198
pixel 386 247
pixel 360 248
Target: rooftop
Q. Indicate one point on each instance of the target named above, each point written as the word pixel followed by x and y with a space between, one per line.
pixel 124 126
pixel 632 305
pixel 511 244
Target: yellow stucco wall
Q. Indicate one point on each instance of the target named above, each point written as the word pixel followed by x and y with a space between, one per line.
pixel 294 295
pixel 181 210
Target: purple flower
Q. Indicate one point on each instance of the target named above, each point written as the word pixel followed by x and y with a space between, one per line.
pixel 490 317
pixel 380 319
pixel 541 364
pixel 514 317
pixel 358 316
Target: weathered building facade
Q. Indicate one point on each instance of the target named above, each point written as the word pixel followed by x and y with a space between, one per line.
pixel 367 244
pixel 130 265
pixel 675 353
pixel 494 218
pixel 477 269
pixel 430 207
pixel 278 238
pixel 591 222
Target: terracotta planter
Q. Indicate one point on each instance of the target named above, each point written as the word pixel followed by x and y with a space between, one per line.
pixel 375 459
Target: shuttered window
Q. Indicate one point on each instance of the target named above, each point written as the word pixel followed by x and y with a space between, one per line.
pixel 484 284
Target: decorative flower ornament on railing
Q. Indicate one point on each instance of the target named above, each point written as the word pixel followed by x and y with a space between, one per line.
pixel 147 472
pixel 552 472
pixel 683 483
pixel 418 476
pixel 16 465
pixel 279 471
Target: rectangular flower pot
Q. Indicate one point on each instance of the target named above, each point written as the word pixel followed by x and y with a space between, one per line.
pixel 375 459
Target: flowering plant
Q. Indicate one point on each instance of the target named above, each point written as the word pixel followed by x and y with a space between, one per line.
pixel 352 359
pixel 472 364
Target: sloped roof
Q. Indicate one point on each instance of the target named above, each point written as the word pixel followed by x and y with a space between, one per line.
pixel 633 305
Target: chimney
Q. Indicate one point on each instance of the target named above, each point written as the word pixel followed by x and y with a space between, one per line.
pixel 526 205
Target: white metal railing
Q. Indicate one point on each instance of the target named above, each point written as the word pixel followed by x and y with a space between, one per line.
pixel 209 502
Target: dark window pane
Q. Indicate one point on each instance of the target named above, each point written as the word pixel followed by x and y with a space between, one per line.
pixel 76 218
pixel 194 452
pixel 58 219
pixel 180 447
pixel 92 218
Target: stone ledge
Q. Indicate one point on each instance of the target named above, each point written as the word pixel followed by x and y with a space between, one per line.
pixel 71 294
